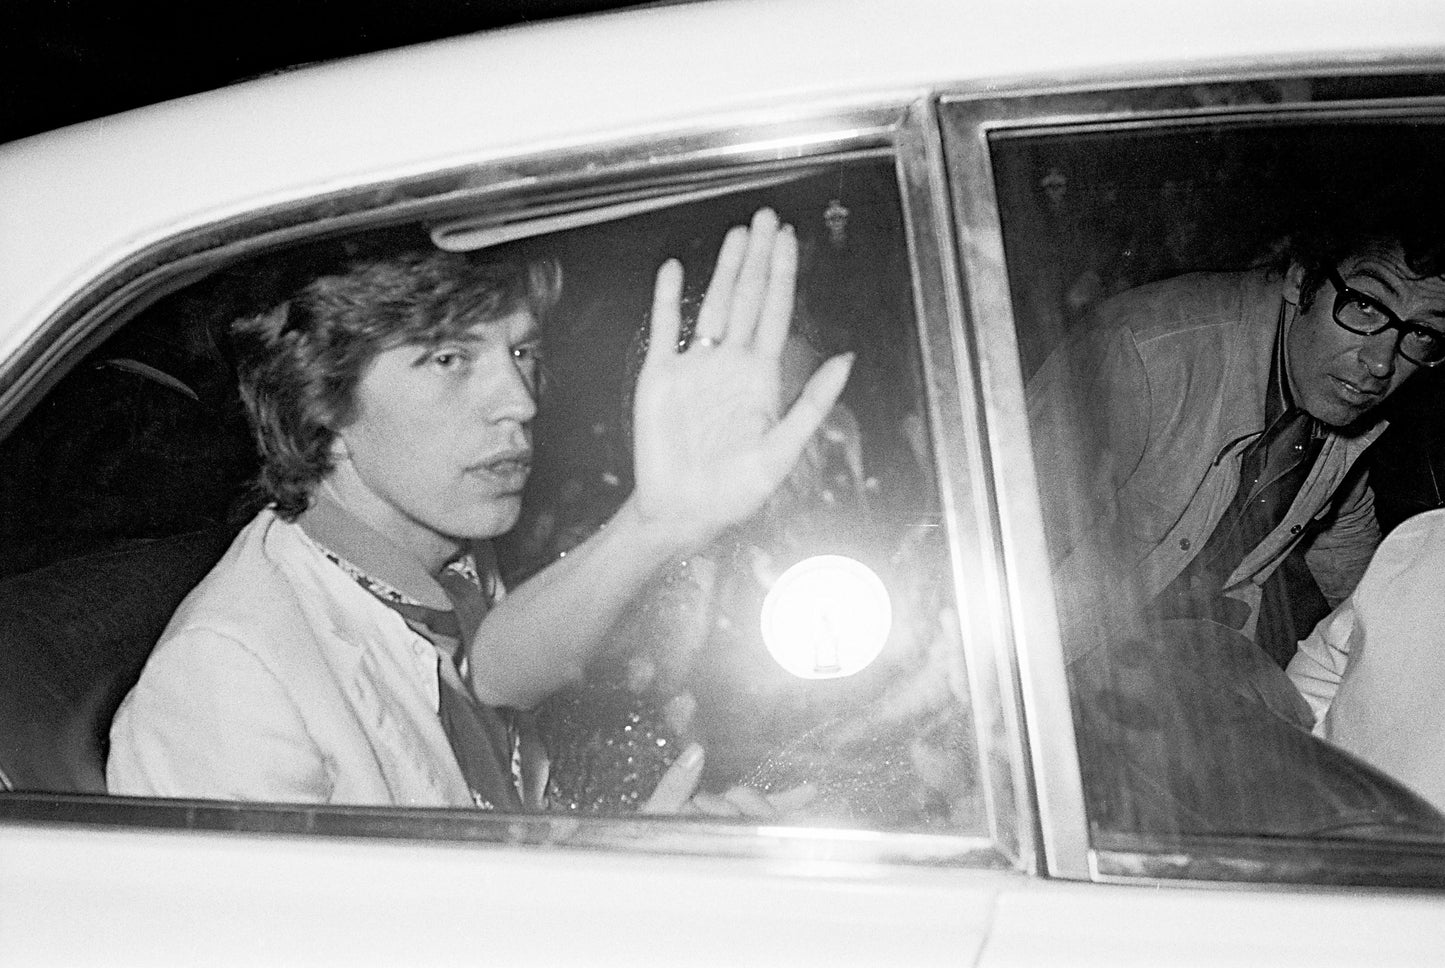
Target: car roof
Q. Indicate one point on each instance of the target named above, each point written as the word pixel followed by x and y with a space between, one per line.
pixel 77 200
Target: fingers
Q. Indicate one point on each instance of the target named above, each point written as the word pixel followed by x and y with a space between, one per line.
pixel 712 805
pixel 677 793
pixel 794 798
pixel 777 309
pixel 739 801
pixel 678 784
pixel 752 803
pixel 712 319
pixel 756 273
pixel 666 310
pixel 752 285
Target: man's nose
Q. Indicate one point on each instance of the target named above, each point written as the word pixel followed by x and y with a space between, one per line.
pixel 507 393
pixel 1377 352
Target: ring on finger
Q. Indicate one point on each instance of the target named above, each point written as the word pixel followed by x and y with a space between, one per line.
pixel 706 342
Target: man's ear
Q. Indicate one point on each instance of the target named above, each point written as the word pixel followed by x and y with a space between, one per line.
pixel 1294 279
pixel 338 449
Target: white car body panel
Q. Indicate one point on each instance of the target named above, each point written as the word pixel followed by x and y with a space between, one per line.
pixel 74 896
pixel 188 899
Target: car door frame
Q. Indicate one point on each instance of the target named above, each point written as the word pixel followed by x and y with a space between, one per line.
pixel 901 127
pixel 1394 88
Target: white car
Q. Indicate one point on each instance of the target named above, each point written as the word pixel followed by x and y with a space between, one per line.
pixel 967 180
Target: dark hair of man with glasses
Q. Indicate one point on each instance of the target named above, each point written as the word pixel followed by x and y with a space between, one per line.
pixel 1209 425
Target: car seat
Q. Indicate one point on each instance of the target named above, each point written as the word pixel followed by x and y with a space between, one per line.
pixel 73 638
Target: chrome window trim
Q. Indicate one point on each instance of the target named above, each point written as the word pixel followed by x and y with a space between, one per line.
pixel 963 462
pixel 969 121
pixel 1038 654
pixel 905 130
pixel 1292 861
pixel 659 836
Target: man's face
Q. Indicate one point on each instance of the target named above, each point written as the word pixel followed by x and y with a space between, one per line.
pixel 441 445
pixel 1336 375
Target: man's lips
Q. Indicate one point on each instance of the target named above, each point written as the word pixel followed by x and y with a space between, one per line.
pixel 1359 392
pixel 509 468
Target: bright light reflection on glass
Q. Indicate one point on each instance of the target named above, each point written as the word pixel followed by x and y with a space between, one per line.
pixel 826 617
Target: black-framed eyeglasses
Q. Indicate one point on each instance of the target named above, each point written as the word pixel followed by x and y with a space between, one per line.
pixel 1366 315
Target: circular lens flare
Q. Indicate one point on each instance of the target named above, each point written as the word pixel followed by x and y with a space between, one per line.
pixel 826 617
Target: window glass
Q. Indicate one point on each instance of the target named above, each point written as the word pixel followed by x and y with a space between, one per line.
pixel 1219 455
pixel 143 445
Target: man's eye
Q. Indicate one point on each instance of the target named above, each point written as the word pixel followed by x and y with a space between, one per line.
pixel 1376 311
pixel 448 359
pixel 527 352
pixel 1370 311
pixel 1427 338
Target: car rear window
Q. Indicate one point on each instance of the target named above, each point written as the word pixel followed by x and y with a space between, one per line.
pixel 138 467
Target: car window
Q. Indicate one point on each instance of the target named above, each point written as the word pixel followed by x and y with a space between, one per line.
pixel 137 468
pixel 1212 443
pixel 690 660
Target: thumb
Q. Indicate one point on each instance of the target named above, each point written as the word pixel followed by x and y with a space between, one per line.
pixel 786 440
pixel 678 784
pixel 793 799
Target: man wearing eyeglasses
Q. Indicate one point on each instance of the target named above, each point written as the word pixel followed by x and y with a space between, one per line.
pixel 1209 425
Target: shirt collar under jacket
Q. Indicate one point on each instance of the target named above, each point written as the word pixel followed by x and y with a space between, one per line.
pixel 1279 400
pixel 389 571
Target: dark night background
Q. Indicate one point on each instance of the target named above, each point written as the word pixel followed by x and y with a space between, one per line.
pixel 65 61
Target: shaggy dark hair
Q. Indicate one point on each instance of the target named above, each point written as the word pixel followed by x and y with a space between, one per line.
pixel 1415 220
pixel 299 364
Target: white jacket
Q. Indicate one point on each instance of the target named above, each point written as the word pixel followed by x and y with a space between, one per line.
pixel 1374 669
pixel 280 679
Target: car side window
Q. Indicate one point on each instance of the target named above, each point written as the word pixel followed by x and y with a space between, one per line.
pixel 1214 450
pixel 703 654
pixel 813 646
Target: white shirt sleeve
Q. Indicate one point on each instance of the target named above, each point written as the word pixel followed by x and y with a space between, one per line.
pixel 1319 665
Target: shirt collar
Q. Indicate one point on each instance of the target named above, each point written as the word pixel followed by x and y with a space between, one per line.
pixel 336 529
pixel 1280 400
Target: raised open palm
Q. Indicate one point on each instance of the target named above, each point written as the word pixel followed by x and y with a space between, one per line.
pixel 711 443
